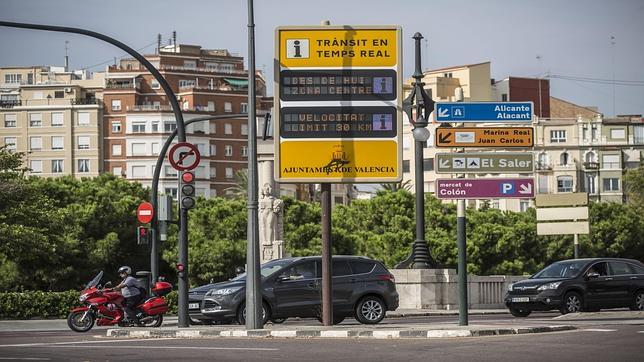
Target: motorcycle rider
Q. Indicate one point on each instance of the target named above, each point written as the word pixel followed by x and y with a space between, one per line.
pixel 130 288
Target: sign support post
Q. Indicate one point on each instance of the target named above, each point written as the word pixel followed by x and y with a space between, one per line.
pixel 461 240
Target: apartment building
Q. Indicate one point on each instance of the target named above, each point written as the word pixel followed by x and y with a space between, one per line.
pixel 53 116
pixel 138 117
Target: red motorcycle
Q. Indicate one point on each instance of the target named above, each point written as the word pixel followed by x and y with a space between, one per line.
pixel 105 307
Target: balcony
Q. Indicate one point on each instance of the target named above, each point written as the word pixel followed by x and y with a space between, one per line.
pixel 543 167
pixel 122 84
pixel 149 108
pixel 10 103
pixel 591 165
pixel 202 70
pixel 49 102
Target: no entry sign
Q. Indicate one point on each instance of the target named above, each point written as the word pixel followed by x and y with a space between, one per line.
pixel 145 212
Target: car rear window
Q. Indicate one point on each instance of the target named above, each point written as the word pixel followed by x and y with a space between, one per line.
pixel 341 268
pixel 619 268
pixel 361 267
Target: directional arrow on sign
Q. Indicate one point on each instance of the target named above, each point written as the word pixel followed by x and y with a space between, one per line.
pixel 444 138
pixel 525 189
pixel 443 112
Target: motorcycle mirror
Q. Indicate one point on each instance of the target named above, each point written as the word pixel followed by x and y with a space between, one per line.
pixel 108 284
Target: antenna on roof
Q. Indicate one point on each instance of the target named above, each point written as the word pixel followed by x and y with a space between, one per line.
pixel 66 57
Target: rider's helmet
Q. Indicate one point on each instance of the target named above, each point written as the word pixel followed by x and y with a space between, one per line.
pixel 125 269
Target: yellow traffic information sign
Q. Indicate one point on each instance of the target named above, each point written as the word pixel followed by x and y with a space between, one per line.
pixel 504 137
pixel 338 93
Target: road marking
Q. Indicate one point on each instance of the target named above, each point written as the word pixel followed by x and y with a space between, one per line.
pixel 83 342
pixel 640 332
pixel 599 330
pixel 24 359
pixel 175 347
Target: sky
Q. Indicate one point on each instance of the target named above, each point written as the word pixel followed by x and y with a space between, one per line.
pixel 602 40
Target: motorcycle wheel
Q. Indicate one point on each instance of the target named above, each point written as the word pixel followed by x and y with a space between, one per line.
pixel 77 323
pixel 152 321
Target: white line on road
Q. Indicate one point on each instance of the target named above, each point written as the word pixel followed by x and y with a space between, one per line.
pixel 24 359
pixel 599 330
pixel 640 332
pixel 176 347
pixel 83 342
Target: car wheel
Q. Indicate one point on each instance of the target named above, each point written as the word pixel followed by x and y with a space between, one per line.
pixel 638 300
pixel 520 312
pixel 370 310
pixel 241 313
pixel 572 303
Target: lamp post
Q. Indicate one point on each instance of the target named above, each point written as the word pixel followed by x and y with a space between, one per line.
pixel 419 114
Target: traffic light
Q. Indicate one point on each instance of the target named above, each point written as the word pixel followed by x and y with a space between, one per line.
pixel 142 235
pixel 187 197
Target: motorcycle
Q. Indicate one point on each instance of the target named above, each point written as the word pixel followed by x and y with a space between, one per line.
pixel 105 307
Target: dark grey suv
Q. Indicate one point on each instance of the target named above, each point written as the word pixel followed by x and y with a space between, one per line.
pixel 362 288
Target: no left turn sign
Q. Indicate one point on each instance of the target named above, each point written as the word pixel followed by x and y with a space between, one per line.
pixel 184 156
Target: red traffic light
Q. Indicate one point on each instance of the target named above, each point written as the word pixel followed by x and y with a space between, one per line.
pixel 187 177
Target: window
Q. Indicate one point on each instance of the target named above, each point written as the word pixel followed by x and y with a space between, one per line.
pixel 138 149
pixel 57 142
pixel 13 78
pixel 611 184
pixel 83 142
pixel 186 83
pixel 138 171
pixel 117 171
pixel 213 150
pixel 211 106
pixel 83 118
pixel 543 160
pixel 361 267
pixel 201 148
pixel 56 166
pixel 138 127
pixel 199 127
pixel 11 143
pixel 564 184
pixel 593 130
pixel 619 268
pixel 244 151
pixel 599 268
pixel 35 166
pixel 228 150
pixel 228 128
pixel 154 84
pixel 558 136
pixel 243 108
pixel 170 171
pixel 638 135
pixel 200 172
pixel 213 128
pixel 563 159
pixel 190 64
pixel 35 143
pixel 228 107
pixel 169 126
pixel 584 132
pixel 116 126
pixel 185 106
pixel 610 161
pixel 591 157
pixel 305 270
pixel 10 120
pixel 504 97
pixel 244 129
pixel 59 94
pixel 428 164
pixel 116 150
pixel 591 184
pixel 172 191
pixel 57 119
pixel 619 133
pixel 35 120
pixel 213 172
pixel 405 165
pixel 543 184
pixel 155 126
pixel 524 205
pixel 229 172
pixel 155 148
pixel 340 268
pixel 116 104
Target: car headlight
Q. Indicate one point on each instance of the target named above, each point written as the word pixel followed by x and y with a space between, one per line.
pixel 83 297
pixel 510 287
pixel 224 291
pixel 553 285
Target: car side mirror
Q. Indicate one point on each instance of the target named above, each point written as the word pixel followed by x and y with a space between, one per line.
pixel 592 275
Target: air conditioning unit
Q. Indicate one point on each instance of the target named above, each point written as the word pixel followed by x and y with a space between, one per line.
pixel 68 90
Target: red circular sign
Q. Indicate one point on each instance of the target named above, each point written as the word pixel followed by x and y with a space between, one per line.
pixel 145 212
pixel 184 156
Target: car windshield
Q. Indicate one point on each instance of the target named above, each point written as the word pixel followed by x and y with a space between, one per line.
pixel 562 269
pixel 94 282
pixel 267 269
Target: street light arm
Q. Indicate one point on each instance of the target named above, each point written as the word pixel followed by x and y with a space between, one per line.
pixel 162 82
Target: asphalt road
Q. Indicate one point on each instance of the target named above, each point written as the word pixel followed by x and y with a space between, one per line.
pixel 598 339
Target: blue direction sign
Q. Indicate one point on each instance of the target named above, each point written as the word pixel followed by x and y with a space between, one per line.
pixel 508 112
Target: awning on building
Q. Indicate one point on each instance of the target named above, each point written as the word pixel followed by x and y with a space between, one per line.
pixel 237 82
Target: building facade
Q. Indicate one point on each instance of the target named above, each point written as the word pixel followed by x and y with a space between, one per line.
pixel 54 117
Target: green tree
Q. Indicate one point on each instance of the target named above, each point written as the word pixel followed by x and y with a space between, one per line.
pixel 395 186
pixel 634 186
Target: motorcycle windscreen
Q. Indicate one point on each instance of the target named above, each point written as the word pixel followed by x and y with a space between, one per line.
pixel 94 282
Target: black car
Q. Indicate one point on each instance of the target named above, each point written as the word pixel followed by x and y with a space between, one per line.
pixel 579 285
pixel 362 288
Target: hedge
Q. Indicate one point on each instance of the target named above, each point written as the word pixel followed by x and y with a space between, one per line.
pixel 36 304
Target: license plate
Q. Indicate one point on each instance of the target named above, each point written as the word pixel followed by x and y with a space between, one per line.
pixel 520 299
pixel 193 306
